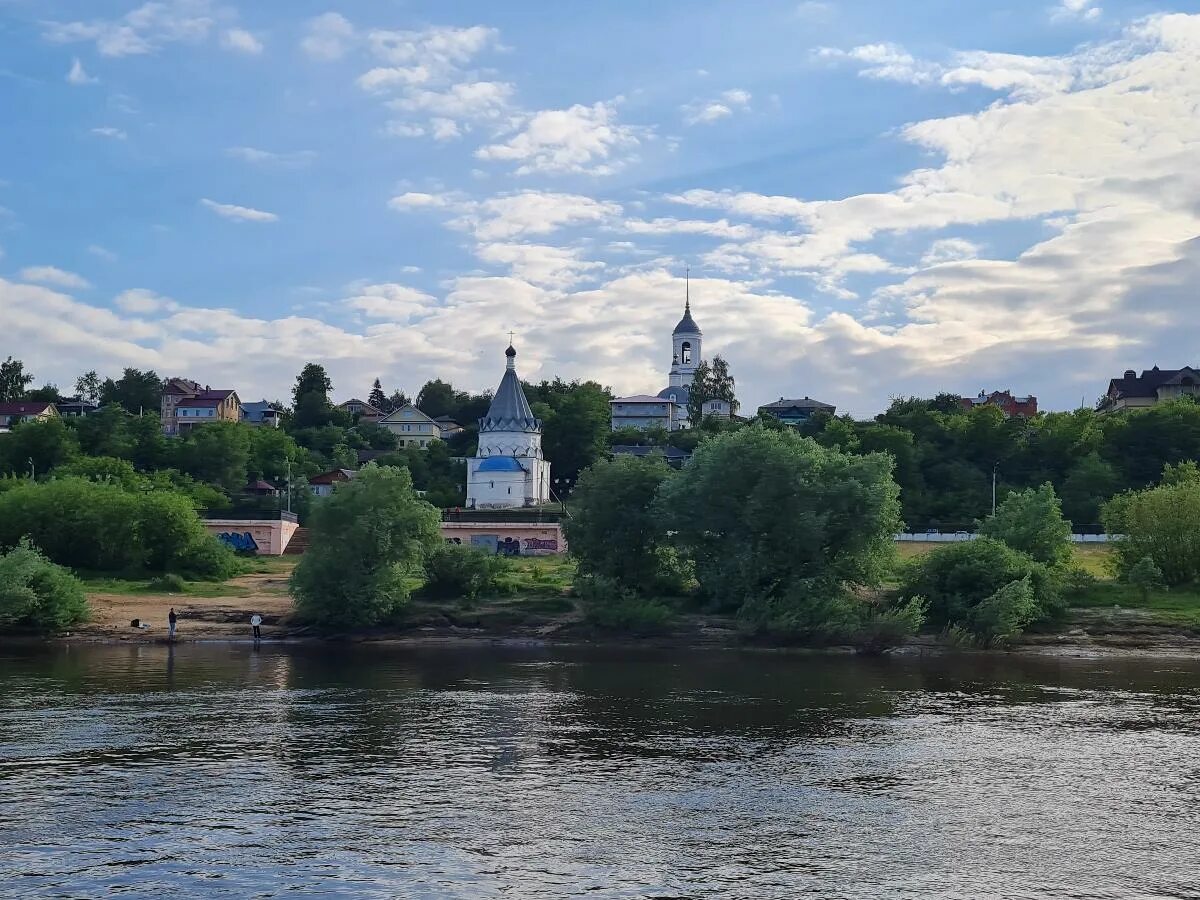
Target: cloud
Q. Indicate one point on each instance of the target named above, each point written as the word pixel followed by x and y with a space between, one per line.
pixel 552 267
pixel 292 159
pixel 508 216
pixel 109 131
pixel 444 129
pixel 814 10
pixel 145 29
pixel 328 37
pixel 1086 10
pixel 55 277
pixel 472 100
pixel 102 253
pixel 239 213
pixel 241 41
pixel 580 139
pixel 889 62
pixel 78 76
pixel 419 200
pixel 393 302
pixel 668 225
pixel 140 301
pixel 704 112
pixel 948 250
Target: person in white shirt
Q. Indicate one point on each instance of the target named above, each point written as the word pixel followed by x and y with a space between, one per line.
pixel 255 623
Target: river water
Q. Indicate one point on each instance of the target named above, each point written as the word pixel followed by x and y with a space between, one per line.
pixel 375 771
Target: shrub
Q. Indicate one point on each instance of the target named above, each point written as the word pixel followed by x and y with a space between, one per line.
pixel 105 528
pixel 1162 523
pixel 957 578
pixel 1032 522
pixel 1002 616
pixel 610 605
pixel 454 571
pixel 369 539
pixel 1145 575
pixel 814 611
pixel 36 594
pixel 891 627
pixel 168 583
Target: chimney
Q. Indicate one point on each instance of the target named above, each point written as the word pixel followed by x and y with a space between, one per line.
pixel 1129 373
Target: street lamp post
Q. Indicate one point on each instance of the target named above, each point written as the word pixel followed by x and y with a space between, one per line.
pixel 995 466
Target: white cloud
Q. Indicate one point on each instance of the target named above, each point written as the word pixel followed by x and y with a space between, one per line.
pixel 508 216
pixel 140 301
pixel 102 253
pixel 885 61
pixel 947 250
pixel 582 139
pixel 143 30
pixel 404 130
pixel 419 200
pixel 551 267
pixel 444 129
pixel 78 75
pixel 1087 10
pixel 109 131
pixel 56 277
pixel 241 41
pixel 291 159
pixel 393 302
pixel 328 37
pixel 239 213
pixel 704 112
pixel 667 225
pixel 467 100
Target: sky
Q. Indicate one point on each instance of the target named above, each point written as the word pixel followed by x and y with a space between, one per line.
pixel 874 199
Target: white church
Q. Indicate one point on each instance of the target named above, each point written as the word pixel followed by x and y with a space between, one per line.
pixel 508 469
pixel 668 408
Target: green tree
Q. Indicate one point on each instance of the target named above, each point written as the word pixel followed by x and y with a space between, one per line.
pixel 217 453
pixel 47 393
pixel 1145 575
pixel 368 540
pixel 13 380
pixel 136 391
pixel 87 386
pixel 615 531
pixel 36 594
pixel 758 511
pixel 311 407
pixel 438 398
pixel 1004 614
pixel 576 423
pixel 377 398
pixel 1032 521
pixel 1162 523
pixel 40 445
pixel 1089 483
pixel 959 577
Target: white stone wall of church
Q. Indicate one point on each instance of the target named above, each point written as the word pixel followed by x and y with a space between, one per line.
pixel 500 490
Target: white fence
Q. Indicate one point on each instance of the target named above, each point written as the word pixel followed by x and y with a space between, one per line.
pixel 939 537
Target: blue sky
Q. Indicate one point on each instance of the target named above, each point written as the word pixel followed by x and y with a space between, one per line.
pixel 874 198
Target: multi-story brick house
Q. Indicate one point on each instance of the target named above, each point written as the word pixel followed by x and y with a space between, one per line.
pixel 1025 407
pixel 185 404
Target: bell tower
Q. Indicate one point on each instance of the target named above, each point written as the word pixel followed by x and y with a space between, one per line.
pixel 686 341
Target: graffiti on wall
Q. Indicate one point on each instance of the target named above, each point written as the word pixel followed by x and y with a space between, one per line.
pixel 510 546
pixel 535 544
pixel 242 543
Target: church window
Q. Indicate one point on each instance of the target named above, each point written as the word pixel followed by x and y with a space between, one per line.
pixel 686 353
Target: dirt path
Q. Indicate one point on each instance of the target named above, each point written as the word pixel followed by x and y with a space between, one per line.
pixel 199 617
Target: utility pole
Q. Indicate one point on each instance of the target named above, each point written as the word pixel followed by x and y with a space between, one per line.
pixel 289 483
pixel 994 467
pixel 32 470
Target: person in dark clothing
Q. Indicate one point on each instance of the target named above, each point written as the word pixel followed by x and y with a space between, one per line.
pixel 171 620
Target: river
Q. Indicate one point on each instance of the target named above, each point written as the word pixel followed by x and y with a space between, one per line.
pixel 387 771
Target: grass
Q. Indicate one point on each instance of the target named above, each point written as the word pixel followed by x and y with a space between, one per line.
pixel 106 583
pixel 1178 606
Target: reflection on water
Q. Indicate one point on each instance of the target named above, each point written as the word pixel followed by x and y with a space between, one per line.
pixel 388 771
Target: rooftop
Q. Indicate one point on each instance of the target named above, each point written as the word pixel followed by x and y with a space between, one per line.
pixel 800 403
pixel 24 408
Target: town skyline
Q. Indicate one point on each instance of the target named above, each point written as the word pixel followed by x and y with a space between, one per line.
pixel 872 202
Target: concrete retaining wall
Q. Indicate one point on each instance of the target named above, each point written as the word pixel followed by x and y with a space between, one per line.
pixel 509 538
pixel 951 536
pixel 264 537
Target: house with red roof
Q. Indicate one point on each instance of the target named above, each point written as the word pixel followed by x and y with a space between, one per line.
pixel 15 413
pixel 185 404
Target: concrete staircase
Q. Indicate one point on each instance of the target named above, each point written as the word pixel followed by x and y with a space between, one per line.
pixel 298 544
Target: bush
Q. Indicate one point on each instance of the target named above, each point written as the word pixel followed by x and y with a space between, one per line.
pixel 610 605
pixel 36 594
pixel 958 578
pixel 891 627
pixel 1145 575
pixel 454 571
pixel 369 540
pixel 1032 522
pixel 1002 616
pixel 169 583
pixel 1161 523
pixel 815 611
pixel 103 527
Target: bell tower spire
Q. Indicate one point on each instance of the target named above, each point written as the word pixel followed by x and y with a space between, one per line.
pixel 686 338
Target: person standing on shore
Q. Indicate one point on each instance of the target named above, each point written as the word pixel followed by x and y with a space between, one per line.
pixel 256 623
pixel 171 620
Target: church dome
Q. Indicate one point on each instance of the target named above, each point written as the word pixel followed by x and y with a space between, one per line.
pixel 510 410
pixel 687 325
pixel 679 392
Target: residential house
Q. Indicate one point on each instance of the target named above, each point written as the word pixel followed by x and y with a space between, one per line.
pixel 73 409
pixel 674 457
pixel 262 414
pixel 448 426
pixel 1026 407
pixel 186 404
pixel 795 412
pixel 361 410
pixel 411 426
pixel 1133 391
pixel 15 413
pixel 643 412
pixel 322 485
